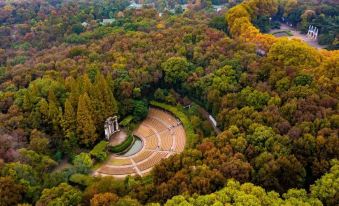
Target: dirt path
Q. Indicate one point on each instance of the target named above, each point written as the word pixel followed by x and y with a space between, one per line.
pixel 206 115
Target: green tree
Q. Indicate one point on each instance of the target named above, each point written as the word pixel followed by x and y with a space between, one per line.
pixel 219 22
pixel 258 135
pixel 140 110
pixel 176 70
pixel 83 162
pixel 27 102
pixel 41 163
pixel 127 201
pixel 39 145
pixel 63 194
pixel 246 194
pixel 103 101
pixel 77 28
pixel 159 94
pixel 25 175
pixel 326 188
pixel 300 197
pixel 254 98
pixel 43 111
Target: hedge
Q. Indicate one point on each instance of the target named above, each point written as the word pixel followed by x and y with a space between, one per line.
pixel 190 135
pixel 287 32
pixel 99 151
pixel 81 179
pixel 126 120
pixel 123 146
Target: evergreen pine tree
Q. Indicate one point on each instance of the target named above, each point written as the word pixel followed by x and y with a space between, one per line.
pixel 98 103
pixel 35 118
pixel 86 130
pixel 52 98
pixel 103 101
pixel 69 119
pixel 110 102
pixel 86 85
pixel 27 103
pixel 54 113
pixel 43 108
pixel 73 86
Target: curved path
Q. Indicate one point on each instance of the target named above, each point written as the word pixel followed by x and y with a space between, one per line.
pixel 162 134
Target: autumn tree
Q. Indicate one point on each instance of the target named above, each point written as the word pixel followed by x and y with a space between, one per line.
pixel 103 185
pixel 69 119
pixel 176 70
pixel 235 193
pixel 102 99
pixel 104 199
pixel 262 7
pixel 293 53
pixel 86 130
pixel 11 192
pixel 62 194
pixel 26 174
pixel 39 142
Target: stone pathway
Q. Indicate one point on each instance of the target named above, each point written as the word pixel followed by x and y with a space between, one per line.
pixel 118 138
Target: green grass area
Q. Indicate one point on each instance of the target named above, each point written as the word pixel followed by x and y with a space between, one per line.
pixel 123 146
pixel 190 135
pixel 283 32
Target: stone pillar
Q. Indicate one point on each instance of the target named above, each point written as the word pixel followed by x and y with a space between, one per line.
pixel 117 124
pixel 107 133
pixel 111 126
pixel 316 33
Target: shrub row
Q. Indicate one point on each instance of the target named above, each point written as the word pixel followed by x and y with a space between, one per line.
pixel 126 120
pixel 123 146
pixel 99 151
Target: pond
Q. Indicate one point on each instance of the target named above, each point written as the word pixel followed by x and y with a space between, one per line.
pixel 136 147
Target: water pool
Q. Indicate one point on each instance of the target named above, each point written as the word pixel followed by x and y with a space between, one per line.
pixel 136 147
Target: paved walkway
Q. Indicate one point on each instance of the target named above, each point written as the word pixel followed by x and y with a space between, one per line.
pixel 118 138
pixel 298 35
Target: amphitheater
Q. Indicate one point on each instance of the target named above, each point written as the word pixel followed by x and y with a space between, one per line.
pixel 162 135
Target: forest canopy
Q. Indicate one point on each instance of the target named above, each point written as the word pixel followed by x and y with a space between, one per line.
pixel 63 72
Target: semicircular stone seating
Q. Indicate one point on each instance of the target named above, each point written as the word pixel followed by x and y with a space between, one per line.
pixel 162 134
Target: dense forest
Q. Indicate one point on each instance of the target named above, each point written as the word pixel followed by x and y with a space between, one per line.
pixel 63 72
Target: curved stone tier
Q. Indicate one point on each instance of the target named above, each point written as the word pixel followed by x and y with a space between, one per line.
pixel 162 134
